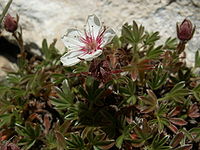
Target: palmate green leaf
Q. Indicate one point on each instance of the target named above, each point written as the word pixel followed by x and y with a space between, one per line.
pixel 28 130
pixel 196 92
pixel 143 135
pixel 3 89
pixel 196 133
pixel 113 125
pixel 183 75
pixel 129 91
pixel 119 141
pixel 151 38
pixel 34 82
pixel 138 32
pixel 75 142
pixel 150 102
pixel 132 34
pixel 72 113
pixel 6 106
pixel 27 144
pixel 127 34
pixel 177 93
pixel 18 92
pixel 162 122
pixel 162 110
pixel 132 100
pixel 158 78
pixel 60 103
pixel 5 119
pixel 177 87
pixel 171 43
pixel 80 68
pixel 159 143
pixel 125 135
pixel 93 93
pixel 131 87
pixel 13 78
pixel 45 50
pixel 50 53
pixel 197 59
pixel 22 63
pixel 65 99
pixel 116 42
pixel 50 141
pixel 58 78
pixel 98 139
pixel 60 140
pixel 187 134
pixel 29 133
pixel 153 53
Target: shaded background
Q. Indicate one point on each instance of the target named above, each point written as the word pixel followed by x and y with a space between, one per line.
pixel 51 18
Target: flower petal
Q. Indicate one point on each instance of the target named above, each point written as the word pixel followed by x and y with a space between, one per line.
pixel 89 57
pixel 71 58
pixel 72 39
pixel 108 36
pixel 93 26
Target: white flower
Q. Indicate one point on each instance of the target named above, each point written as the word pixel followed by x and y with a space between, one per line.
pixel 87 45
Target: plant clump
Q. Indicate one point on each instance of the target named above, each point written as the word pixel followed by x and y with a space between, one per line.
pixel 136 95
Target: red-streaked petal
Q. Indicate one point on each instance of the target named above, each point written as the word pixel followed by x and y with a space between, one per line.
pixel 107 37
pixel 93 26
pixel 89 57
pixel 72 39
pixel 71 58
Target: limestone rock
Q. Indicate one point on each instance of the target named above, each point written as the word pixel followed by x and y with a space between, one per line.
pixel 6 66
pixel 196 3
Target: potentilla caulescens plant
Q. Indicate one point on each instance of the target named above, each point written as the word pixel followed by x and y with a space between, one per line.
pixel 86 45
pixel 153 105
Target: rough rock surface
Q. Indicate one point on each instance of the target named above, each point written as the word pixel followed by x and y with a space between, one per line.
pixel 51 18
pixel 6 66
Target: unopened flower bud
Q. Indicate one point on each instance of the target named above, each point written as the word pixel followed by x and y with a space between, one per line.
pixel 185 31
pixel 10 23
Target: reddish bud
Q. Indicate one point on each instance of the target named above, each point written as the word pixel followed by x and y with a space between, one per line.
pixel 10 23
pixel 186 30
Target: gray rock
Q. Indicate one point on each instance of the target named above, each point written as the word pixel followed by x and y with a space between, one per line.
pixel 196 3
pixel 6 66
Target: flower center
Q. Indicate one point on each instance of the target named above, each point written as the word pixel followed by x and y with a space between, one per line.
pixel 92 45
